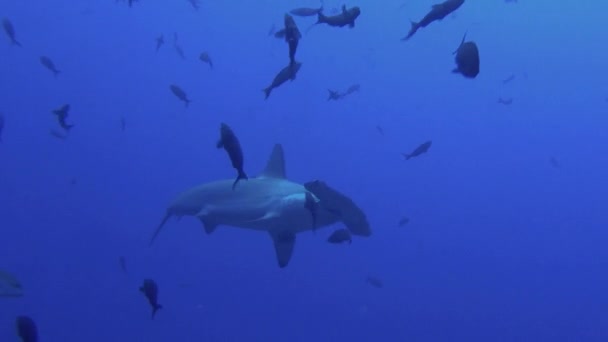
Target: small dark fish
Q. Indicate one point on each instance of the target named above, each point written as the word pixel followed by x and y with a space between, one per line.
pixel 180 94
pixel 375 282
pixel 555 163
pixel 380 130
pixel 150 290
pixel 467 59
pixel 123 123
pixel 312 206
pixel 506 102
pixel 292 37
pixel 123 264
pixel 195 4
pixel 306 12
pixel 26 329
pixel 280 34
pixel 177 47
pixel 334 95
pixel 160 40
pixel 205 58
pixel 347 17
pixel 62 114
pixel 438 12
pixel 403 221
pixel 418 151
pixel 352 89
pixel 230 143
pixel 508 79
pixel 288 73
pixel 48 63
pixel 58 135
pixel 9 29
pixel 2 120
pixel 73 181
pixel 340 236
pixel 130 2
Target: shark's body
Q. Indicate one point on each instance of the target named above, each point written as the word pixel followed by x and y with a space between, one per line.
pixel 269 203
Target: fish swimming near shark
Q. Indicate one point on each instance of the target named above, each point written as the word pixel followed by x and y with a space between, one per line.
pixel 467 59
pixel 230 143
pixel 288 73
pixel 438 12
pixel 48 63
pixel 346 17
pixel 423 148
pixel 9 29
pixel 268 203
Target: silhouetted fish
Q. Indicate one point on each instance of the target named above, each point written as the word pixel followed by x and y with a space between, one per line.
pixel 380 130
pixel 123 123
pixel 62 114
pixel 123 264
pixel 9 29
pixel 180 94
pixel 438 12
pixel 205 58
pixel 347 17
pixel 160 40
pixel 26 329
pixel 555 163
pixel 288 73
pixel 177 47
pixel 353 88
pixel 340 236
pixel 467 59
pixel 195 4
pixel 418 151
pixel 505 102
pixel 150 290
pixel 48 63
pixel 292 37
pixel 334 95
pixel 230 143
pixel 403 221
pixel 508 79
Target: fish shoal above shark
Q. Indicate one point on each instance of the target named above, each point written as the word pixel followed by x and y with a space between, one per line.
pixel 270 203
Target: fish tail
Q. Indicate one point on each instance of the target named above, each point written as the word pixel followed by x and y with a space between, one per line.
pixel 56 72
pixel 68 127
pixel 187 102
pixel 267 92
pixel 413 30
pixel 155 309
pixel 406 156
pixel 15 42
pixel 160 227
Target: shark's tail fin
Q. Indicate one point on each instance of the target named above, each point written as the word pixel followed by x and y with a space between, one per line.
pixel 160 227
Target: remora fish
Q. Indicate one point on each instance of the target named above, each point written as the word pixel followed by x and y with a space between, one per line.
pixel 230 143
pixel 150 290
pixel 288 73
pixel 347 17
pixel 418 151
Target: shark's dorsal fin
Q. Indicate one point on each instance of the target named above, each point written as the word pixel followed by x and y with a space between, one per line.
pixel 275 168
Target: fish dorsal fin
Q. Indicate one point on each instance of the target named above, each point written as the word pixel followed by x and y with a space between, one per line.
pixel 462 42
pixel 275 168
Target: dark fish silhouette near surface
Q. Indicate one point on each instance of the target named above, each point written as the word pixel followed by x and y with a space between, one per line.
pixel 160 40
pixel 505 102
pixel 375 282
pixel 555 163
pixel 340 236
pixel 230 143
pixel 26 329
pixel 9 29
pixel 48 63
pixel 180 94
pixel 403 221
pixel 438 12
pixel 2 120
pixel 334 95
pixel 62 114
pixel 292 37
pixel 306 11
pixel 418 151
pixel 205 58
pixel 347 17
pixel 177 47
pixel 288 73
pixel 150 290
pixel 130 2
pixel 467 59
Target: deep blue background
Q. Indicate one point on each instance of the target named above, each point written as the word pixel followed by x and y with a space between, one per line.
pixel 500 247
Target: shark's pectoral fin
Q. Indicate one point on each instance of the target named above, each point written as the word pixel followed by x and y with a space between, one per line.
pixel 208 225
pixel 284 242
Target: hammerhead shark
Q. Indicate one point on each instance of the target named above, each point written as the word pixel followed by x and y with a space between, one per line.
pixel 269 203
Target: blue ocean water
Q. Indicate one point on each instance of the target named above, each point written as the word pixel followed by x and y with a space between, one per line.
pixel 502 245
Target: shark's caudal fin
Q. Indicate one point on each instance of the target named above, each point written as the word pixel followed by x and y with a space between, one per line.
pixel 275 167
pixel 160 227
pixel 284 242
